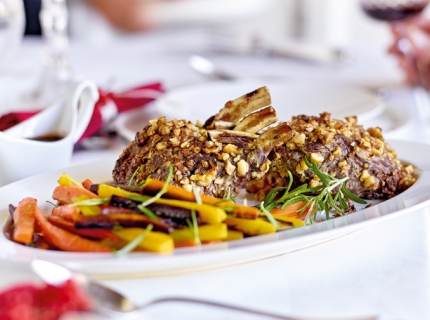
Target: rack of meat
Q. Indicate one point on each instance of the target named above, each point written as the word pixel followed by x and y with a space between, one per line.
pixel 175 184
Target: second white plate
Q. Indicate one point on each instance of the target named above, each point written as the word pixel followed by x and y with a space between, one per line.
pixel 289 98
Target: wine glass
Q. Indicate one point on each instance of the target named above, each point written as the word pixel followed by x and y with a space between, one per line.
pixel 398 12
pixel 56 73
pixel 12 23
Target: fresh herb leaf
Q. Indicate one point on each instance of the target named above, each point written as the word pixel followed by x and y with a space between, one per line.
pixel 269 216
pixel 161 192
pixel 197 195
pixel 89 202
pixel 195 226
pixel 55 205
pixel 134 175
pixel 148 212
pixel 332 194
pixel 143 183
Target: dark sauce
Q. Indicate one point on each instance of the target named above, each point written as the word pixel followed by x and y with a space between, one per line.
pixel 393 13
pixel 49 137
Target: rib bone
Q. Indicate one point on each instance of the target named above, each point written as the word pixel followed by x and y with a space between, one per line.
pixel 236 109
pixel 257 120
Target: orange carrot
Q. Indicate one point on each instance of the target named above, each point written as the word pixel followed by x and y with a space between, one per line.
pixel 66 212
pixel 174 192
pixel 293 210
pixel 65 240
pixel 66 194
pixel 185 243
pixel 23 218
pixel 87 184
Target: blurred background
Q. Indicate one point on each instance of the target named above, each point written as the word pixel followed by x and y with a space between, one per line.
pixel 335 22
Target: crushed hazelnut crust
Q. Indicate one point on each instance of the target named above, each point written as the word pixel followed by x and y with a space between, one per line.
pixel 340 148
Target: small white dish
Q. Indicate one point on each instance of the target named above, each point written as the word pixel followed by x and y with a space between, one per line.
pixel 289 98
pixel 23 152
pixel 208 256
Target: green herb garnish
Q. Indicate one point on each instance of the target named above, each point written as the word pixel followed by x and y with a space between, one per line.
pixel 134 175
pixel 133 244
pixel 195 227
pixel 51 203
pixel 161 192
pixel 269 215
pixel 142 183
pixel 148 212
pixel 89 202
pixel 325 201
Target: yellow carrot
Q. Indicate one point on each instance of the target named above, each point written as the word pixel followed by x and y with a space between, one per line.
pixel 251 227
pixel 154 241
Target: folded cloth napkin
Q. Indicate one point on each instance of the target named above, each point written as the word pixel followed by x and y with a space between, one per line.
pixel 108 106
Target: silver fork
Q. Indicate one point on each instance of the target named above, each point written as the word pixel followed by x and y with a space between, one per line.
pixel 112 304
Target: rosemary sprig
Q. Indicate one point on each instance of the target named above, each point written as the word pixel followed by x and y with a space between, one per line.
pixel 269 215
pixel 324 201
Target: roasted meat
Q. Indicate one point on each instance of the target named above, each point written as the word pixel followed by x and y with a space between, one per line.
pixel 339 148
pixel 220 158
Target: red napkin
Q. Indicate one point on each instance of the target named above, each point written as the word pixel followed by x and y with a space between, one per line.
pixel 106 109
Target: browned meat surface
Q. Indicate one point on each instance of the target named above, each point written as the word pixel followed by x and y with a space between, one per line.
pixel 219 159
pixel 340 148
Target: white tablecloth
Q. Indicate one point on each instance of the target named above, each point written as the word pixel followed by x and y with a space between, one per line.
pixel 383 269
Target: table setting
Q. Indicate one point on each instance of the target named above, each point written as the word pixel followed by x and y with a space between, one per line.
pixel 75 120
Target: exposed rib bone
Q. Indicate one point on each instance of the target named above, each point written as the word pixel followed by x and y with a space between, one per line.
pixel 223 125
pixel 236 109
pixel 274 137
pixel 257 120
pixel 230 136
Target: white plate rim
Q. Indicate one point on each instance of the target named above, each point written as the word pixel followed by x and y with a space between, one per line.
pixel 211 256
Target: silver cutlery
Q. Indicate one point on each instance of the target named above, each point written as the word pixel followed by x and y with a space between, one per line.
pixel 207 68
pixel 246 42
pixel 112 304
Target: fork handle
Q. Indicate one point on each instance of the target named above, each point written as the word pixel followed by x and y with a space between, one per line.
pixel 245 309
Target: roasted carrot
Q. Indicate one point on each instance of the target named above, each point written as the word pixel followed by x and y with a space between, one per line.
pixel 96 234
pixel 23 218
pixel 66 212
pixel 65 240
pixel 293 210
pixel 186 243
pixel 152 186
pixel 87 183
pixel 67 194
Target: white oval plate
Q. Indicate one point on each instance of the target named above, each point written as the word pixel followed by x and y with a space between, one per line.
pixel 208 256
pixel 289 98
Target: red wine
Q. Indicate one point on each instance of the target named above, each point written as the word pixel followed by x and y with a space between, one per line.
pixel 393 13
